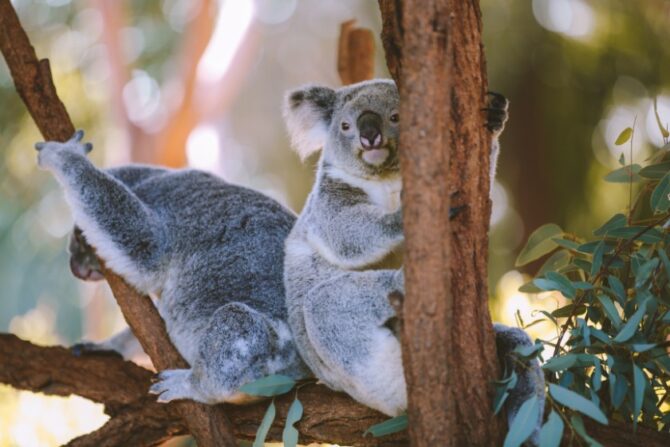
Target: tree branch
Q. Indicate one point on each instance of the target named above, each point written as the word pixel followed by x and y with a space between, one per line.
pixel 35 86
pixel 355 54
pixel 139 420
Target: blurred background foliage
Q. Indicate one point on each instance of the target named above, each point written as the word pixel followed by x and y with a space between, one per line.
pixel 200 83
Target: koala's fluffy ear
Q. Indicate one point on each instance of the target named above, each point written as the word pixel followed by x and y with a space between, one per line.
pixel 308 112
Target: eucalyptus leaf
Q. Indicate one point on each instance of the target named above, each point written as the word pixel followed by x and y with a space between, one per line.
pixel 555 262
pixel 660 201
pixel 619 391
pixel 624 136
pixel 618 220
pixel 566 243
pixel 631 325
pixel 264 428
pixel 503 389
pixel 597 258
pixel 290 434
pixel 539 244
pixel 610 310
pixel 389 426
pixel 639 381
pixel 577 402
pixel 269 386
pixel 578 424
pixel 524 423
pixel 644 272
pixel 560 363
pixel 625 174
pixel 664 130
pixel 644 234
pixel 656 171
pixel 617 288
pixel 552 431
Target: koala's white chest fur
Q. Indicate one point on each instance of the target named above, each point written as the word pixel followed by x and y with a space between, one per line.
pixel 382 193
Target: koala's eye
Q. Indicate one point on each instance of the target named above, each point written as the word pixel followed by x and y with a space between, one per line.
pixel 395 118
pixel 345 125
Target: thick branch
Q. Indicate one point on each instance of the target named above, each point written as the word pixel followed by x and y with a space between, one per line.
pixel 139 420
pixel 33 82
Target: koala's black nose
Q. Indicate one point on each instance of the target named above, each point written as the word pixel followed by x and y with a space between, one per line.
pixel 370 130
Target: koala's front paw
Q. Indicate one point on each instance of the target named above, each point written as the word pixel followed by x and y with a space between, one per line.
pixel 173 384
pixel 52 153
pixel 496 112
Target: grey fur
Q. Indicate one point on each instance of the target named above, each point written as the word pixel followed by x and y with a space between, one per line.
pixel 211 252
pixel 337 297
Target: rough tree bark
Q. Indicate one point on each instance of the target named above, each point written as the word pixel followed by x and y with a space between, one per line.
pixel 434 52
pixel 32 78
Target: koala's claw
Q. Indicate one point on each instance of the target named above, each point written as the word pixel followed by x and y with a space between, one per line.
pixel 496 112
pixel 172 384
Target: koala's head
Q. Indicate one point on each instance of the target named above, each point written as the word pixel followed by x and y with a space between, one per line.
pixel 356 126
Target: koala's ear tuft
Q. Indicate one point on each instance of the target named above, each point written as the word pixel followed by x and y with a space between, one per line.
pixel 308 112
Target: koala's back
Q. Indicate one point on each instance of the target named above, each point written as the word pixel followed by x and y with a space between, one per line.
pixel 222 242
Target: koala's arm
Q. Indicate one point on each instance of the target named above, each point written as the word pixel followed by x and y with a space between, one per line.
pixel 349 231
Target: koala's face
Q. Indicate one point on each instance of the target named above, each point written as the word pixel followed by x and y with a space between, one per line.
pixel 357 125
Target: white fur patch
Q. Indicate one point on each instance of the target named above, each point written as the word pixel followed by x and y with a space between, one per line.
pixel 384 193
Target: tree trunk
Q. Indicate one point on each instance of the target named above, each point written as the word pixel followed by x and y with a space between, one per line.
pixel 434 52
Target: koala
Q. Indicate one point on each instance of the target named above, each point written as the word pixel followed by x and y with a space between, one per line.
pixel 209 252
pixel 337 297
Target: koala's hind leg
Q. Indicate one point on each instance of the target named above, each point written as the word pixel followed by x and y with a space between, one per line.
pixel 239 345
pixel 125 233
pixel 530 377
pixel 347 323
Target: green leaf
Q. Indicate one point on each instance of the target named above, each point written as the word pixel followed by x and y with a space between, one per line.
pixel 659 202
pixel 566 243
pixel 644 234
pixel 578 424
pixel 290 434
pixel 610 310
pixel 666 262
pixel 664 130
pixel 597 258
pixel 624 136
pixel 264 428
pixel 639 381
pixel 560 363
pixel 644 272
pixel 531 351
pixel 552 431
pixel 618 220
pixel 576 402
pixel 524 423
pixel 269 386
pixel 626 174
pixel 618 390
pixel 389 426
pixel 503 388
pixel 643 347
pixel 529 287
pixel 556 281
pixel 539 244
pixel 596 377
pixel 618 289
pixel 630 327
pixel 566 311
pixel 555 262
pixel 656 171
